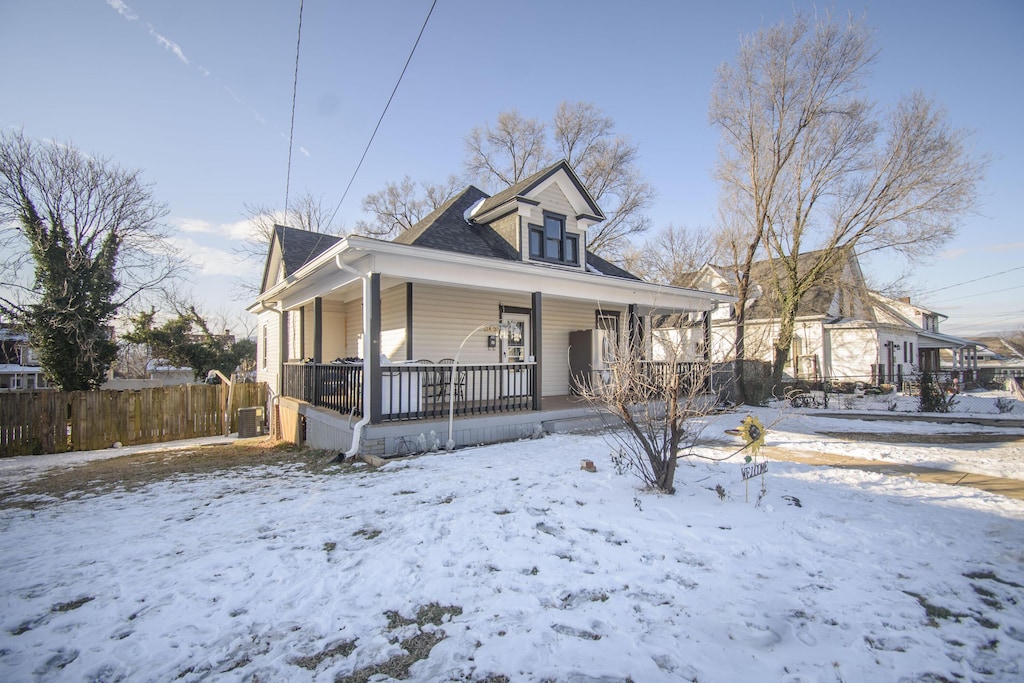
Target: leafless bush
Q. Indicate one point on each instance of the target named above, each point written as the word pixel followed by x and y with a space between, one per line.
pixel 658 405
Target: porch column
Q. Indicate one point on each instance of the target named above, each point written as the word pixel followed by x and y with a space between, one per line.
pixel 636 332
pixel 536 343
pixel 708 384
pixel 302 333
pixel 408 321
pixel 318 330
pixel 371 350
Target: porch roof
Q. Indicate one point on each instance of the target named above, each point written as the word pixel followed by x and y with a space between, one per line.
pixel 334 268
pixel 935 340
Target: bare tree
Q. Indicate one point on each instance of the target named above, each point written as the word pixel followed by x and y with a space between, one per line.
pixel 399 206
pixel 608 166
pixel 656 409
pixel 581 134
pixel 671 256
pixel 92 234
pixel 305 212
pixel 809 165
pixel 502 155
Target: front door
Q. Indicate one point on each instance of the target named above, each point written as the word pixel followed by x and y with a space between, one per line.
pixel 515 348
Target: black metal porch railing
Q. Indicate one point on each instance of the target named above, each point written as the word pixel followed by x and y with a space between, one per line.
pixel 692 375
pixel 337 386
pixel 415 391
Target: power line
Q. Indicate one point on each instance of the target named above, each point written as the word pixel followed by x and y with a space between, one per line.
pixel 375 128
pixel 942 302
pixel 291 128
pixel 967 282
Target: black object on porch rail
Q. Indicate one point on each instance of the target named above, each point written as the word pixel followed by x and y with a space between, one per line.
pixel 413 391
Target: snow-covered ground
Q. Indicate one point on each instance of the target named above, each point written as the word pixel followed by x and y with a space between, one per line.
pixel 803 430
pixel 536 571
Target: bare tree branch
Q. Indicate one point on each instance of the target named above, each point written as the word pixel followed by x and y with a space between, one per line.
pixel 806 164
pixel 92 233
pixel 399 206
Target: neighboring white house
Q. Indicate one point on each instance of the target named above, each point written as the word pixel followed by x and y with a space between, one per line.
pixel 19 365
pixel 998 358
pixel 496 282
pixel 843 330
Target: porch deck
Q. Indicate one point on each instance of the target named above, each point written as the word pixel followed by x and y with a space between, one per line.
pixel 422 406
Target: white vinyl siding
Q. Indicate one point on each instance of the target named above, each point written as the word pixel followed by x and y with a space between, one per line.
pixel 268 321
pixel 443 316
pixel 392 323
pixel 560 317
pixel 294 349
pixel 335 325
pixel 353 314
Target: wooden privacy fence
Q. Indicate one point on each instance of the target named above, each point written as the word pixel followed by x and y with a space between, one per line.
pixel 34 422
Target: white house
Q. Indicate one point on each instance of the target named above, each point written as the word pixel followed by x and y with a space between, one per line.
pixel 19 365
pixel 496 283
pixel 843 331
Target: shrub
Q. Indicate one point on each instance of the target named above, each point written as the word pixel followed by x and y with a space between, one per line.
pixel 932 398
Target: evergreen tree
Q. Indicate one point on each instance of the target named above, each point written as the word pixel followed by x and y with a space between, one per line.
pixel 90 234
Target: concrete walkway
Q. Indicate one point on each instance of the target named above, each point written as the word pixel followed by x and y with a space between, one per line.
pixel 1011 488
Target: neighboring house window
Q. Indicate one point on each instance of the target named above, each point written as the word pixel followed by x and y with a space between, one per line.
pixel 264 346
pixel 550 242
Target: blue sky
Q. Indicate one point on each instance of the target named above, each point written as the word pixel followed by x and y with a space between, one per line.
pixel 198 95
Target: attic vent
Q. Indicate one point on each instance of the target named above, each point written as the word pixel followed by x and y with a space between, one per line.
pixel 468 215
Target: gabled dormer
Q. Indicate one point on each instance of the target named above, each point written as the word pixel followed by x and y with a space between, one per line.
pixel 544 217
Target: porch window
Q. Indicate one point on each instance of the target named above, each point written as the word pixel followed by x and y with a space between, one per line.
pixel 550 242
pixel 608 322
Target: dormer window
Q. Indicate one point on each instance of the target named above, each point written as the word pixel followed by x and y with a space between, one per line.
pixel 550 242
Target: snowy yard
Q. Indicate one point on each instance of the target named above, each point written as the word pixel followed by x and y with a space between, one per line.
pixel 510 563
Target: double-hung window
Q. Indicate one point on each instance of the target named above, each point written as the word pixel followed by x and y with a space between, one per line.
pixel 550 242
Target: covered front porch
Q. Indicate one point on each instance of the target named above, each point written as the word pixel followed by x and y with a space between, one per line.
pixel 383 337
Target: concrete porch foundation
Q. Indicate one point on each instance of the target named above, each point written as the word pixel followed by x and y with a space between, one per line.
pixel 328 430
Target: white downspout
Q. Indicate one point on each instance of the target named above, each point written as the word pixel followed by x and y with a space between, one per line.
pixel 357 430
pixel 279 309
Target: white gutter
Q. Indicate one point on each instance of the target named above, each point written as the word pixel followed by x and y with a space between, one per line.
pixel 357 431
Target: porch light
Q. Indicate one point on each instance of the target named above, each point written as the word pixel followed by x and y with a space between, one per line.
pixel 500 328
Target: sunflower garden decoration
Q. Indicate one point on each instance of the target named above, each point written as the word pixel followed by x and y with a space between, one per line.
pixel 752 432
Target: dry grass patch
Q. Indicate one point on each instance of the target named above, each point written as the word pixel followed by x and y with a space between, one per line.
pixel 131 472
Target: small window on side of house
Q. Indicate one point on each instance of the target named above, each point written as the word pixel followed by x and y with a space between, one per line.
pixel 263 355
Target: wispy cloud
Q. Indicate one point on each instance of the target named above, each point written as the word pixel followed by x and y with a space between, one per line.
pixel 123 9
pixel 990 249
pixel 169 44
pixel 211 260
pixel 304 151
pixel 237 231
